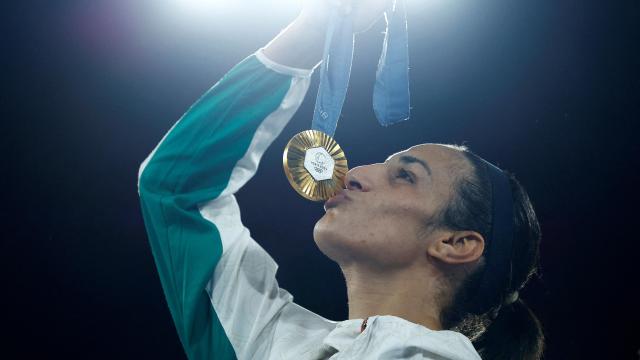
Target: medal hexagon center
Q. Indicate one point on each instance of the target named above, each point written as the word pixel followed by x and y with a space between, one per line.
pixel 319 163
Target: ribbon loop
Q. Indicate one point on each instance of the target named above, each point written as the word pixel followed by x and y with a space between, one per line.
pixel 391 99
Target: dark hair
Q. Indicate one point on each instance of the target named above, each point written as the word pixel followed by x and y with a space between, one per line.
pixel 505 329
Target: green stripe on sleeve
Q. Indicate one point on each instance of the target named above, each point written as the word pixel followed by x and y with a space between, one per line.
pixel 193 165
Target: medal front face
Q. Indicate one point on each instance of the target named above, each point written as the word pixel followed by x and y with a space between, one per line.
pixel 319 163
pixel 315 165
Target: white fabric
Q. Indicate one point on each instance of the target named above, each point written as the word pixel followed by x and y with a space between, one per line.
pixel 280 68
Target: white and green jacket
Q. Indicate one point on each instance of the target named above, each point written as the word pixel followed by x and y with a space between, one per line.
pixel 219 283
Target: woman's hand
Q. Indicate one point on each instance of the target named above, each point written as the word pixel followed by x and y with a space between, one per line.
pixel 300 45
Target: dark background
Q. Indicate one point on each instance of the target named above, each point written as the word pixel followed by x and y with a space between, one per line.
pixel 547 89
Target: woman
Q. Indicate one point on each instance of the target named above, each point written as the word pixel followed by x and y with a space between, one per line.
pixel 433 258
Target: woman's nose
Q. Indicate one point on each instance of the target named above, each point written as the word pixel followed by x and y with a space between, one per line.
pixel 356 179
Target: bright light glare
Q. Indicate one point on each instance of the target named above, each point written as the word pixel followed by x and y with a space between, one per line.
pixel 196 15
pixel 194 7
pixel 198 6
pixel 244 16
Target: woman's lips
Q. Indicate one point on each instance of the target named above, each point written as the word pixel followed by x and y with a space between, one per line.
pixel 335 200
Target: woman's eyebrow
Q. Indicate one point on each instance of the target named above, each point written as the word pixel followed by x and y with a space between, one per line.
pixel 408 159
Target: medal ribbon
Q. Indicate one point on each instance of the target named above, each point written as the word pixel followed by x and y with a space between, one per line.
pixel 391 90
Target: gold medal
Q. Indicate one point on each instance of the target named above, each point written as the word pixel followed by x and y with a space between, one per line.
pixel 315 165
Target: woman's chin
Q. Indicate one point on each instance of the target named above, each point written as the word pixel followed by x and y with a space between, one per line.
pixel 331 241
pixel 322 229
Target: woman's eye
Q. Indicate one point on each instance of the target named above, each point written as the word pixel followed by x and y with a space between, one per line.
pixel 403 174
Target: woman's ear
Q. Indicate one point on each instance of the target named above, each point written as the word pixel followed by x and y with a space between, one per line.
pixel 457 247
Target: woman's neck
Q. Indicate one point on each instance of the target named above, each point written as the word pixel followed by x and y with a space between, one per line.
pixel 407 294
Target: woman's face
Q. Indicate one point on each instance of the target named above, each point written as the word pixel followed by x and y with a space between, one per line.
pixel 381 219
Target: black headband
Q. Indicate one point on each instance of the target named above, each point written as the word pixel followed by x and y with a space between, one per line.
pixel 497 274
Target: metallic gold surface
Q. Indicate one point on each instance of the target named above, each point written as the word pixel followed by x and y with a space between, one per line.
pixel 300 178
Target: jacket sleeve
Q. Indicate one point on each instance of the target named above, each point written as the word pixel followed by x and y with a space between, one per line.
pixel 219 284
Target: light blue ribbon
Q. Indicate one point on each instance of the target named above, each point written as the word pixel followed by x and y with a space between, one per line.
pixel 391 91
